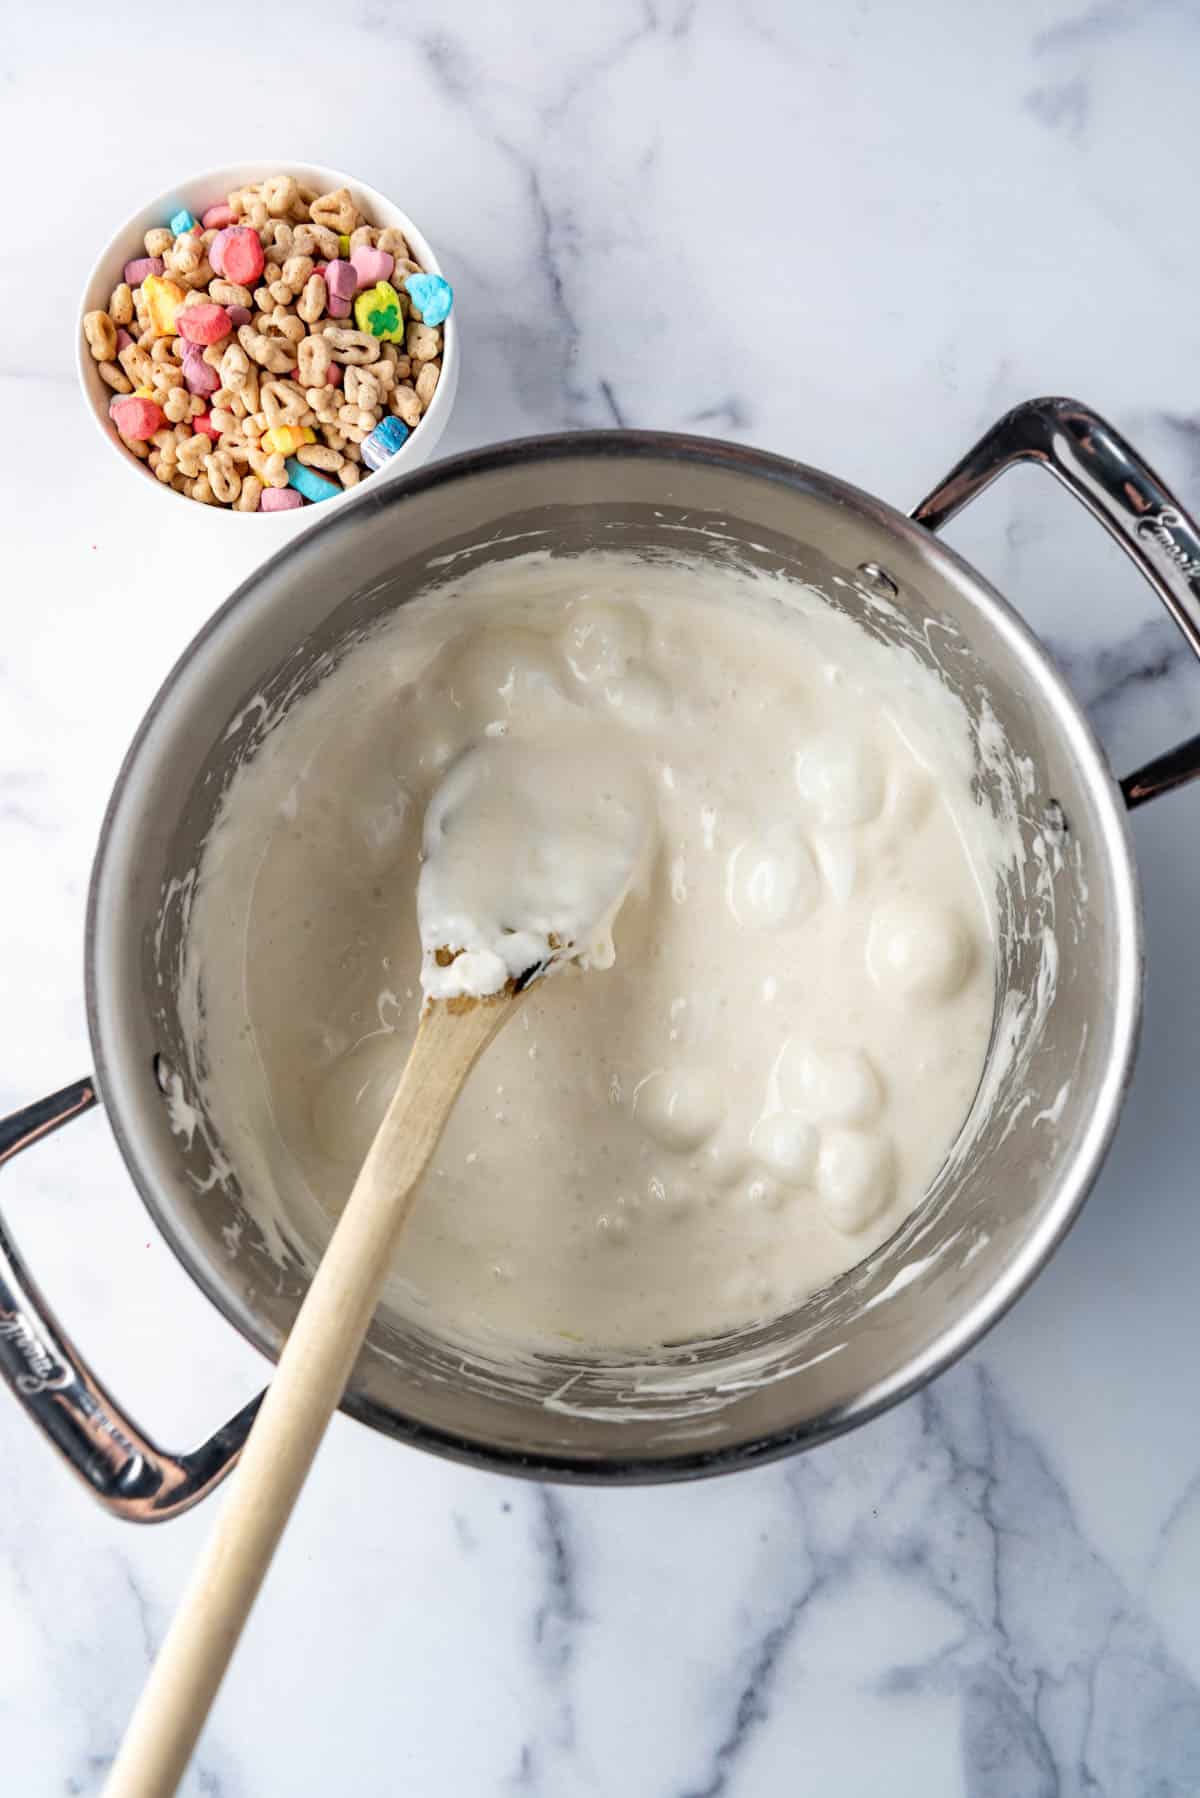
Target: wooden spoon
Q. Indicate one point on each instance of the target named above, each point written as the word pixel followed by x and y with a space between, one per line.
pixel 308 1385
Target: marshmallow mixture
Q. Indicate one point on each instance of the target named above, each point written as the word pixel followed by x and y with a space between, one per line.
pixel 529 850
pixel 766 1079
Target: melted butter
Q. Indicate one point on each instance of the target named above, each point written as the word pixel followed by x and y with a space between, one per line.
pixel 768 1076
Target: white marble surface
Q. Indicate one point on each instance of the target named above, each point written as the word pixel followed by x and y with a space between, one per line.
pixel 853 234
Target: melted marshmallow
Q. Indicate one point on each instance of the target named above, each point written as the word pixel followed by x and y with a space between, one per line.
pixel 529 850
pixel 767 1079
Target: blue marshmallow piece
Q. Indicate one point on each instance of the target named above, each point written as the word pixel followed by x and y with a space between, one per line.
pixel 431 296
pixel 387 437
pixel 308 482
pixel 182 221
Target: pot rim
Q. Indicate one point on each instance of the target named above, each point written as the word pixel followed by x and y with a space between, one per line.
pixel 952 1342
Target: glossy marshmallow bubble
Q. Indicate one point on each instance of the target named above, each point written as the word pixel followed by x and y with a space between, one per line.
pixel 855 1178
pixel 835 1085
pixel 918 949
pixel 680 1107
pixel 839 778
pixel 771 881
pixel 786 1145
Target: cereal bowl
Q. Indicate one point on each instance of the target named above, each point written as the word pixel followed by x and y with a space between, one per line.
pixel 195 195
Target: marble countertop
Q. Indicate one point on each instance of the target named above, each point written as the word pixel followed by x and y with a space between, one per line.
pixel 855 235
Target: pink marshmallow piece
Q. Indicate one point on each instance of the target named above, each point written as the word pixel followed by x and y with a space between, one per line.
pixel 123 339
pixel 205 423
pixel 142 266
pixel 136 417
pixel 371 265
pixel 242 257
pixel 239 315
pixel 279 499
pixel 217 216
pixel 333 376
pixel 203 324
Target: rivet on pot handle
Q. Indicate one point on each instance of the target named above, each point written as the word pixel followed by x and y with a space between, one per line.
pixel 1097 465
pixel 114 1458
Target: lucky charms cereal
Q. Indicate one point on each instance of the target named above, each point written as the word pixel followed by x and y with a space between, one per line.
pixel 273 352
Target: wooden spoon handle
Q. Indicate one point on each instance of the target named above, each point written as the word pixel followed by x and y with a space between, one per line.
pixel 309 1382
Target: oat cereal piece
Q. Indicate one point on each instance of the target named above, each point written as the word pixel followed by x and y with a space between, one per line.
pixel 272 353
pixel 135 360
pixel 346 346
pixel 423 342
pixel 223 477
pixel 405 404
pixel 280 193
pixel 115 377
pixel 312 301
pixel 101 335
pixel 427 381
pixel 362 387
pixel 184 255
pixel 296 270
pixel 229 293
pixel 287 325
pixel 315 240
pixel 324 403
pixel 283 402
pixel 319 455
pixel 120 306
pixel 234 366
pixel 336 211
pixel 191 453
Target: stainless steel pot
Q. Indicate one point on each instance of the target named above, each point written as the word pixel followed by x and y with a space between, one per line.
pixel 1027 1156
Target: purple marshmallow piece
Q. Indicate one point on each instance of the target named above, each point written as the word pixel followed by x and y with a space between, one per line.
pixel 199 376
pixel 341 284
pixel 142 266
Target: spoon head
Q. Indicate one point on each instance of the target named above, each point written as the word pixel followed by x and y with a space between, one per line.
pixel 529 850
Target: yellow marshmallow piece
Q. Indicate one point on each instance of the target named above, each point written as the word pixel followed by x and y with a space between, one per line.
pixel 285 440
pixel 163 299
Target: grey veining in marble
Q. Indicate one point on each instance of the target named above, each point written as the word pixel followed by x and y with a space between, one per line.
pixel 854 235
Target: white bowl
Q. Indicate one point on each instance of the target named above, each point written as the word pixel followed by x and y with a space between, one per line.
pixel 197 194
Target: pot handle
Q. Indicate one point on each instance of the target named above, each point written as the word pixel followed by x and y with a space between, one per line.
pixel 118 1463
pixel 1107 475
